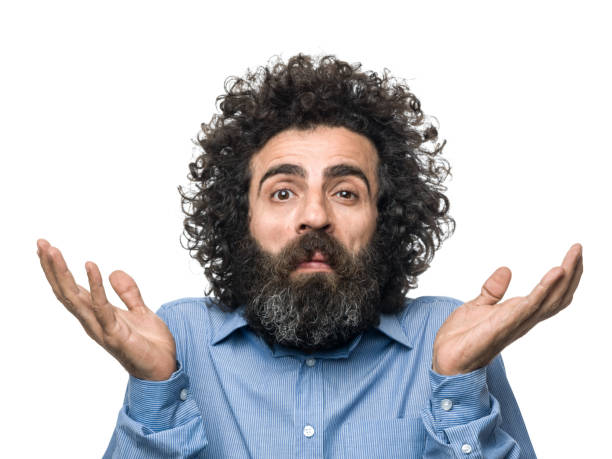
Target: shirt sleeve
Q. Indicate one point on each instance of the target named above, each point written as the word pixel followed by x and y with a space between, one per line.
pixel 475 415
pixel 159 419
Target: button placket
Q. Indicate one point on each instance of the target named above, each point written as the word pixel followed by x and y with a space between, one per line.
pixel 309 409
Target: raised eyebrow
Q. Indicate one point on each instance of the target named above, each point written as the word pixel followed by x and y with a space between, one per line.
pixel 287 169
pixel 341 170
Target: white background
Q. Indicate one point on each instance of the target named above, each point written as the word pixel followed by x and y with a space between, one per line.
pixel 99 102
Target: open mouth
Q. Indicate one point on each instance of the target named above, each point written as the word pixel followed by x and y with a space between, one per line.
pixel 317 262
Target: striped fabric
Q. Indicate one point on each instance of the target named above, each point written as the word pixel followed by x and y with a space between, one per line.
pixel 235 397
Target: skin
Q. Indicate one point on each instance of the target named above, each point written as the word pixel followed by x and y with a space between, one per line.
pixel 287 205
pixel 136 337
pixel 312 193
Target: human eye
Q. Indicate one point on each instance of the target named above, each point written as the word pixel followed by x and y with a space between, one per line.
pixel 347 194
pixel 282 195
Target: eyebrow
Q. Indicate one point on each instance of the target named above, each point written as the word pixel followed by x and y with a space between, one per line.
pixel 343 170
pixel 339 170
pixel 287 169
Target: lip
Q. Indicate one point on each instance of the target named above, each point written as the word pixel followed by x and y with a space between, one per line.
pixel 318 262
pixel 313 266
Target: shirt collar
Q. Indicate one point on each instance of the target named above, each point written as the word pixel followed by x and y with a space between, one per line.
pixel 233 321
pixel 389 325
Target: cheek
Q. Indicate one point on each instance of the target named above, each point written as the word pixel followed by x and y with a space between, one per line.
pixel 368 229
pixel 271 230
pixel 358 228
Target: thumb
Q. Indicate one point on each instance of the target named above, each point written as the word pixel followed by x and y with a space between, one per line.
pixel 128 291
pixel 495 287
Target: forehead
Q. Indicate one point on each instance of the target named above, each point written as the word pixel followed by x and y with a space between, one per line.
pixel 316 149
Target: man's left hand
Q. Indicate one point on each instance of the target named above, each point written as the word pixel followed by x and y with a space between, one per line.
pixel 478 330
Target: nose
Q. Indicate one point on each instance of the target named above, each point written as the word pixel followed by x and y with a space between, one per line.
pixel 314 214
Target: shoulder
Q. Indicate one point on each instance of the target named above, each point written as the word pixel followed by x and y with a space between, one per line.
pixel 430 305
pixel 183 307
pixel 426 313
pixel 437 302
pixel 184 314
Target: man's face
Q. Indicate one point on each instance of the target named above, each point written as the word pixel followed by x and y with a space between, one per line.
pixel 323 179
pixel 312 280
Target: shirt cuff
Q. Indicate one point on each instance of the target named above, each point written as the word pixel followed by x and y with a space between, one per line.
pixel 459 399
pixel 161 405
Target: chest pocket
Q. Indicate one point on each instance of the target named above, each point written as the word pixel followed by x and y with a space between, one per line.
pixel 384 439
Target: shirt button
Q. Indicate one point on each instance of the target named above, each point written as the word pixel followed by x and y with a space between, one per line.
pixel 310 362
pixel 183 394
pixel 467 449
pixel 446 404
pixel 308 431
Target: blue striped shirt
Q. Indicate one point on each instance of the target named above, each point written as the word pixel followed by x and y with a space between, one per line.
pixel 377 397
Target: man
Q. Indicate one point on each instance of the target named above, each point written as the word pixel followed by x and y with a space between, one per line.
pixel 318 202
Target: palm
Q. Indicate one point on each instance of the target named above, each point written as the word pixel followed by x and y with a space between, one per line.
pixel 469 335
pixel 478 330
pixel 136 337
pixel 143 344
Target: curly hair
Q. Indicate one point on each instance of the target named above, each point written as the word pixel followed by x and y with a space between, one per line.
pixel 303 93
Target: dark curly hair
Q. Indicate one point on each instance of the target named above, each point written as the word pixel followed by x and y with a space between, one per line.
pixel 304 93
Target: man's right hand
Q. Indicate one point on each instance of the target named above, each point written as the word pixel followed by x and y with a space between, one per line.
pixel 137 338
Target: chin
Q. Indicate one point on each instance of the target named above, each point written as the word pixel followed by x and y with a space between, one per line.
pixel 301 271
pixel 316 279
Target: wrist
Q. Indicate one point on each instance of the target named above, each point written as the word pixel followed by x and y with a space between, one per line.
pixel 162 375
pixel 451 369
pixel 447 370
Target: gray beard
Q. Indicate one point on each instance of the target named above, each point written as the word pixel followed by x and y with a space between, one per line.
pixel 312 311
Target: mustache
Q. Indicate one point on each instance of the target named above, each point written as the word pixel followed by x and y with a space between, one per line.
pixel 303 249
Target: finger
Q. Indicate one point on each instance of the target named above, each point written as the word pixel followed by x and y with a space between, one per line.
pixel 88 320
pixel 102 309
pixel 515 316
pixel 544 287
pixel 569 294
pixel 523 311
pixel 494 288
pixel 575 251
pixel 78 299
pixel 69 292
pixel 128 291
pixel 42 244
pixel 535 319
pixel 553 303
pixel 45 263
